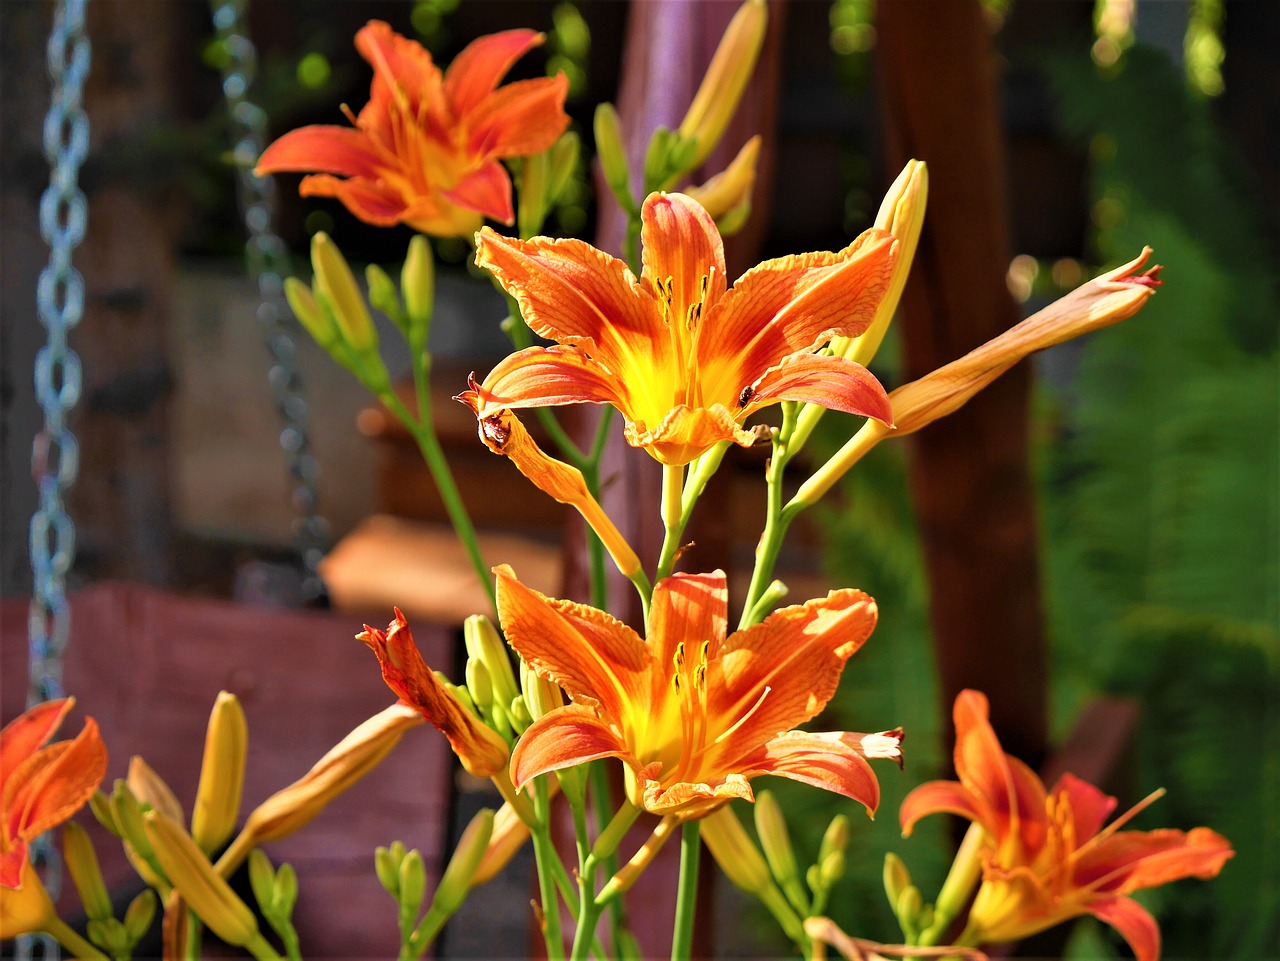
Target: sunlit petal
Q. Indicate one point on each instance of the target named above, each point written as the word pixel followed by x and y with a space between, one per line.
pixel 565 737
pixel 480 67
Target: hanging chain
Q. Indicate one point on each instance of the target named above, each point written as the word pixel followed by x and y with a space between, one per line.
pixel 55 454
pixel 268 261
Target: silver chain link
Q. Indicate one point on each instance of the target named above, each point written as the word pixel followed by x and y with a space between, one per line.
pixel 268 261
pixel 55 458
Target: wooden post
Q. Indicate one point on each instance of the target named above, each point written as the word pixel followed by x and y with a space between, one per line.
pixel 969 474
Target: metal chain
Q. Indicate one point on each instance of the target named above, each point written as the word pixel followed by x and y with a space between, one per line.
pixel 55 453
pixel 268 261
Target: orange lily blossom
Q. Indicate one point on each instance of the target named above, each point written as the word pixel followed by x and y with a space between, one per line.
pixel 425 149
pixel 480 749
pixel 693 714
pixel 40 788
pixel 1046 856
pixel 682 355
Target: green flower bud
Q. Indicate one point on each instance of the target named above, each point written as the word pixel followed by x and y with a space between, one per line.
pixel 86 875
pixel 413 883
pixel 315 319
pixel 456 881
pixel 775 839
pixel 262 878
pixel 896 877
pixel 286 893
pixel 418 282
pixel 139 915
pixel 383 294
pixel 485 644
pixel 613 155
pixel 386 864
pixel 563 160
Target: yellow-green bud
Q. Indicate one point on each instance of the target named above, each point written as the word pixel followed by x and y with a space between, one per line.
pixel 149 788
pixel 413 882
pixel 540 695
pixel 383 294
pixel 262 878
pixel 456 881
pixel 727 195
pixel 563 160
pixel 735 852
pixel 612 154
pixel 204 891
pixel 286 892
pixel 657 157
pixel 139 915
pixel 128 816
pixel 337 284
pixel 835 838
pixel 479 685
pixel 896 877
pixel 771 826
pixel 908 908
pixel 485 644
pixel 518 714
pixel 534 201
pixel 315 318
pixel 108 934
pixel 226 744
pixel 418 283
pixel 386 864
pixel 100 805
pixel 726 78
pixel 86 875
pixel 831 869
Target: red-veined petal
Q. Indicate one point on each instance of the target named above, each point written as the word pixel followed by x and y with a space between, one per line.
pixel 596 658
pixel 1133 860
pixel 403 68
pixel 480 67
pixel 680 244
pixel 795 304
pixel 825 760
pixel 565 737
pixel 688 608
pixel 572 293
pixel 486 190
pixel 781 672
pixel 831 382
pixel 522 118
pixel 327 149
pixel 23 735
pixel 1133 922
pixel 547 377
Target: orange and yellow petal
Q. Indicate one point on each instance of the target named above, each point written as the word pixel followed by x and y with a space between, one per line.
pixel 479 68
pixel 485 190
pixel 54 783
pixel 521 119
pixel 831 382
pixel 781 672
pixel 690 800
pixel 596 658
pixel 1088 806
pixel 547 377
pixel 938 797
pixel 323 148
pixel 372 201
pixel 1132 922
pixel 24 735
pixel 684 432
pixel 832 761
pixel 574 294
pixel 565 737
pixel 1133 860
pixel 681 246
pixel 684 607
pixel 403 70
pixel 25 906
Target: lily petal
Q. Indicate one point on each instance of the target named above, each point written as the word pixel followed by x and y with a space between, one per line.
pixel 1133 860
pixel 56 782
pixel 1133 923
pixel 401 67
pixel 24 735
pixel 832 382
pixel 687 606
pixel 521 119
pixel 328 149
pixel 563 738
pixel 682 246
pixel 480 67
pixel 830 761
pixel 685 432
pixel 937 797
pixel 371 201
pixel 487 191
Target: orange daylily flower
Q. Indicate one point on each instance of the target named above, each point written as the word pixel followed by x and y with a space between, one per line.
pixel 40 788
pixel 685 357
pixel 692 713
pixel 425 149
pixel 480 749
pixel 1046 857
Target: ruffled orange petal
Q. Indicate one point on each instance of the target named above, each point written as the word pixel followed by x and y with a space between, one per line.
pixel 23 735
pixel 479 68
pixel 327 149
pixel 681 245
pixel 546 377
pixel 54 783
pixel 794 304
pixel 1133 923
pixel 596 658
pixel 486 190
pixel 520 119
pixel 690 800
pixel 831 382
pixel 832 761
pixel 572 293
pixel 685 432
pixel 403 70
pixel 563 738
pixel 783 671
pixel 686 607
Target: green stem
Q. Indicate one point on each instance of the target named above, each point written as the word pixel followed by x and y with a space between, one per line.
pixel 672 519
pixel 775 527
pixel 605 849
pixel 261 949
pixel 544 853
pixel 424 433
pixel 73 942
pixel 687 891
pixel 195 936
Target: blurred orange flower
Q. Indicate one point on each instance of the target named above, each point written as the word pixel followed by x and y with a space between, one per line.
pixel 40 788
pixel 1046 857
pixel 425 148
pixel 692 713
pixel 683 356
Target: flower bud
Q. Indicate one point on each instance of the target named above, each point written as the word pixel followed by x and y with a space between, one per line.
pixel 149 788
pixel 896 877
pixel 386 864
pixel 412 883
pixel 563 160
pixel 335 282
pixel 479 685
pixel 722 87
pixel 383 294
pixel 86 875
pixel 506 838
pixel 108 934
pixel 466 859
pixel 541 696
pixel 226 743
pixel 262 878
pixel 727 195
pixel 285 895
pixel 835 839
pixel 100 805
pixel 139 915
pixel 418 283
pixel 204 892
pixel 612 155
pixel 771 826
pixel 485 645
pixel 534 202
pixel 735 852
pixel 315 318
pixel 137 848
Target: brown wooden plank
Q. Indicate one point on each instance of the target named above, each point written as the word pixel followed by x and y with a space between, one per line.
pixel 147 665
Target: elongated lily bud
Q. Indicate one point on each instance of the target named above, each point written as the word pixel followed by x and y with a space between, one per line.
pixel 726 79
pixel 612 155
pixel 127 815
pixel 541 696
pixel 383 294
pixel 457 878
pixel 418 284
pixel 86 875
pixel 506 837
pixel 485 644
pixel 149 788
pixel 226 744
pixel 139 915
pixel 562 160
pixel 262 878
pixel 534 202
pixel 386 864
pixel 503 434
pixel 735 852
pixel 337 284
pixel 835 839
pixel 896 878
pixel 479 685
pixel 207 894
pixel 315 319
pixel 727 195
pixel 771 826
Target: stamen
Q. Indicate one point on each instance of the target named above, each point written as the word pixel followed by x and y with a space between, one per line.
pixel 743 720
pixel 1125 818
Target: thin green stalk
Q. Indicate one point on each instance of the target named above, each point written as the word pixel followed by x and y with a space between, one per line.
pixel 429 444
pixel 195 935
pixel 672 519
pixel 687 891
pixel 544 853
pixel 73 942
pixel 261 949
pixel 770 539
pixel 609 837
